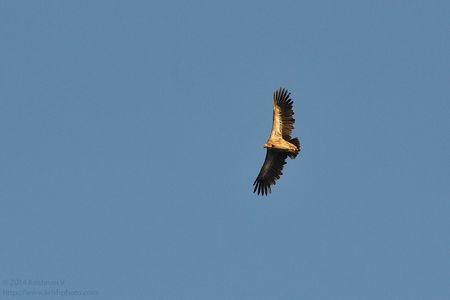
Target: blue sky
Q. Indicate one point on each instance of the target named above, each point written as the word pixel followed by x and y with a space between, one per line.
pixel 131 134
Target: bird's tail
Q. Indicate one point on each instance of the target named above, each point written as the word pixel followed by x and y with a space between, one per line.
pixel 295 142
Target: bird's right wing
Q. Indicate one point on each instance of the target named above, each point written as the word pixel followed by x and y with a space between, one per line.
pixel 270 171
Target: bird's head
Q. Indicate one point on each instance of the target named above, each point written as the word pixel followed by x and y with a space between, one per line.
pixel 268 145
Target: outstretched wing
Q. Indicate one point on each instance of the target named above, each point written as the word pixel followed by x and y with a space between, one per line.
pixel 270 171
pixel 283 120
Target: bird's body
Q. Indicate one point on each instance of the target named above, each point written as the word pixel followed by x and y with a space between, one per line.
pixel 280 145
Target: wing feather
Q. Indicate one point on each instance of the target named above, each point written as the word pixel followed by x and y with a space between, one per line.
pixel 283 120
pixel 270 172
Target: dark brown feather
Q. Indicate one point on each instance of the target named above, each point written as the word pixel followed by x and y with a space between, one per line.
pixel 270 171
pixel 284 102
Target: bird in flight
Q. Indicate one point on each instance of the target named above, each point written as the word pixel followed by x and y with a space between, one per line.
pixel 280 145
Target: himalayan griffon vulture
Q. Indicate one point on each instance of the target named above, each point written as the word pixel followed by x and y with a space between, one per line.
pixel 280 145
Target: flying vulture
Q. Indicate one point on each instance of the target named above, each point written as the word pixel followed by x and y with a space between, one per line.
pixel 280 145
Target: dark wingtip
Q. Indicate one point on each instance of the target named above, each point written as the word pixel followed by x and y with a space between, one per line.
pixel 282 95
pixel 261 189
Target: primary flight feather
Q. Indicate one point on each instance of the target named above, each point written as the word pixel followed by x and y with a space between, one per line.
pixel 280 145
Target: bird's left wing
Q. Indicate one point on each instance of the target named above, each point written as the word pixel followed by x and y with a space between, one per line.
pixel 283 114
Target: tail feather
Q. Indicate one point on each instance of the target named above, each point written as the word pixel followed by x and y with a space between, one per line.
pixel 295 142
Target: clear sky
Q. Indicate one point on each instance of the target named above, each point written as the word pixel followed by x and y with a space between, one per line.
pixel 132 131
